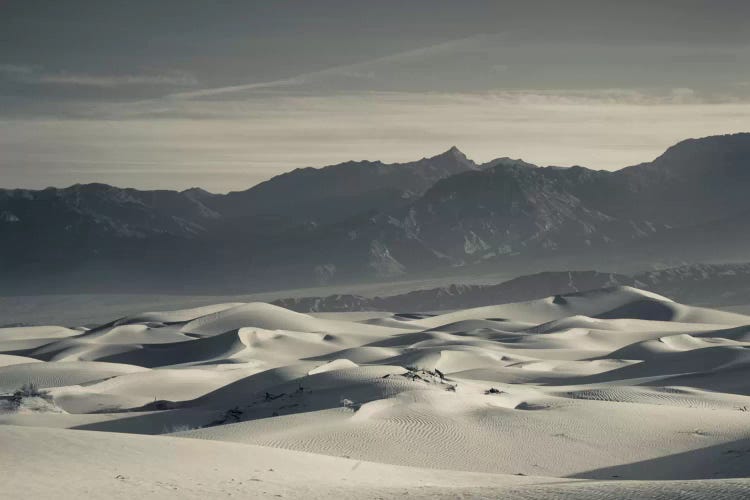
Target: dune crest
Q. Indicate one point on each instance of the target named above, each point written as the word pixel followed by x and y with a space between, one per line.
pixel 552 389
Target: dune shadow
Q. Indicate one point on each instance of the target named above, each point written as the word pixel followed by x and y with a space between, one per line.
pixel 728 460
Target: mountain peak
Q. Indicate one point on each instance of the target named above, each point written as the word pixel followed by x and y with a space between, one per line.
pixel 454 154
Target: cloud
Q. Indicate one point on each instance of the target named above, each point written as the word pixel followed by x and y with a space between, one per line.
pixel 365 75
pixel 36 75
pixel 209 92
pixel 16 71
pixel 604 107
pixel 226 145
pixel 496 63
pixel 223 104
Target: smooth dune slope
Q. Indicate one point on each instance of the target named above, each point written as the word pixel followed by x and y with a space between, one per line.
pixel 610 393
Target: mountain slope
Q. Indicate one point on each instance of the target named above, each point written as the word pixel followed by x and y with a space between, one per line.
pixel 121 239
pixel 519 209
pixel 368 221
pixel 339 191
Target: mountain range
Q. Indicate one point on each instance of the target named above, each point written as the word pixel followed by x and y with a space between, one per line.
pixel 360 221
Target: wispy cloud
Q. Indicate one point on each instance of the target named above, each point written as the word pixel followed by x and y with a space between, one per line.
pixel 223 145
pixel 341 77
pixel 36 75
pixel 288 82
pixel 494 63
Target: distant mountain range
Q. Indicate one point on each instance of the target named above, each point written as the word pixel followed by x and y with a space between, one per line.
pixel 699 284
pixel 371 221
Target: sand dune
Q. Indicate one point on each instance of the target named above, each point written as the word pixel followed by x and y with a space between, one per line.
pixel 589 395
pixel 60 374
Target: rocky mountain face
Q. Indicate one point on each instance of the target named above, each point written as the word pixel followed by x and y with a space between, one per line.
pixel 369 221
pixel 335 193
pixel 512 209
pixel 58 231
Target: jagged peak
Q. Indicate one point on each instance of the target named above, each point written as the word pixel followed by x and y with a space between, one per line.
pixel 453 154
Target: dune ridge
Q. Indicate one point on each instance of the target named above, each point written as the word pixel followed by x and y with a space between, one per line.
pixel 611 392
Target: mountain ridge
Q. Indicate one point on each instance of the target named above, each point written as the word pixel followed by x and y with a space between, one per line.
pixel 373 221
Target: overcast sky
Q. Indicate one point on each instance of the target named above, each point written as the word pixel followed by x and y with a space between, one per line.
pixel 225 94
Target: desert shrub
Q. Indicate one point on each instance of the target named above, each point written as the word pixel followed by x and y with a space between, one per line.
pixel 30 390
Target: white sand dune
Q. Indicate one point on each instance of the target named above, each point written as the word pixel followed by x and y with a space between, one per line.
pixel 9 359
pixel 36 332
pixel 60 374
pixel 604 394
pixel 178 316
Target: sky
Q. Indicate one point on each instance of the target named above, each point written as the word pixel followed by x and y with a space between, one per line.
pixel 225 94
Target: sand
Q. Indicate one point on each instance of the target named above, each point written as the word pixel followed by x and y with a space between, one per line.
pixel 604 394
